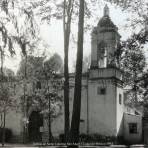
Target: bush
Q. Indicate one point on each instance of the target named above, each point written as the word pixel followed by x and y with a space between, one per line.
pixel 8 134
pixel 96 138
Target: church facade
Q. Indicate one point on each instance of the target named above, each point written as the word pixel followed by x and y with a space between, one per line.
pixel 103 110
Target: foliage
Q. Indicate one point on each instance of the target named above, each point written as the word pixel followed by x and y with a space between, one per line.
pixel 7 76
pixel 54 64
pixel 67 11
pixel 7 103
pixel 44 73
pixel 7 100
pixel 95 139
pixel 33 67
pixel 13 32
pixel 40 101
pixel 143 82
pixel 138 8
pixel 130 58
pixel 36 67
pixel 133 60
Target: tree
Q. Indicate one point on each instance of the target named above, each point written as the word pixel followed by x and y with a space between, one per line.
pixel 34 67
pixel 12 32
pixel 144 86
pixel 74 131
pixel 29 71
pixel 130 58
pixel 139 19
pixel 51 67
pixel 48 102
pixel 137 7
pixel 67 17
pixel 134 64
pixel 54 64
pixel 65 11
pixel 7 103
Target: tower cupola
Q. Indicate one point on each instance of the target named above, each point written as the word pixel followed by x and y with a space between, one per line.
pixel 106 11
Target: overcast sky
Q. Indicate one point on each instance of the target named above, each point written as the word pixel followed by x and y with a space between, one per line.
pixel 53 35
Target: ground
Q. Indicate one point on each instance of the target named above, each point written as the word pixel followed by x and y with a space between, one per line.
pixel 112 146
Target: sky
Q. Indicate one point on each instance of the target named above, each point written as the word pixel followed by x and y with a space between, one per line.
pixel 53 35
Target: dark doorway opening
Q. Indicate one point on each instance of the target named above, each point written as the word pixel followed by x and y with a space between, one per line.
pixel 35 122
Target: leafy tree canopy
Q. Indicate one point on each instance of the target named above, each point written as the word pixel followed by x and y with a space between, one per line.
pixel 54 64
pixel 31 67
pixel 37 67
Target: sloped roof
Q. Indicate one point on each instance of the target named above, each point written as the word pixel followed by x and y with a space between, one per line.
pixel 105 21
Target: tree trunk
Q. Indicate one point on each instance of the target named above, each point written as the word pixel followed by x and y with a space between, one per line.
pixel 74 132
pixel 4 114
pixel 66 31
pixel 3 134
pixel 66 94
pixel 2 55
pixel 50 138
pixel 25 101
pixel 49 123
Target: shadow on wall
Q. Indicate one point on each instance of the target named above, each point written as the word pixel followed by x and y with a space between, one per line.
pixel 120 133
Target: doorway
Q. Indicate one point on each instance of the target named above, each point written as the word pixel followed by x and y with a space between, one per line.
pixel 35 122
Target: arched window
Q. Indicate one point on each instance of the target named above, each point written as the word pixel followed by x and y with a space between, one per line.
pixel 120 99
pixel 102 54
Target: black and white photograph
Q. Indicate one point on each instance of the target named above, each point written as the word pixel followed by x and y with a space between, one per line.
pixel 74 73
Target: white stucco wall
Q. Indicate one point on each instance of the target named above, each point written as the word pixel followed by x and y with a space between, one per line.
pixel 14 122
pixel 102 108
pixel 57 126
pixel 58 123
pixel 132 138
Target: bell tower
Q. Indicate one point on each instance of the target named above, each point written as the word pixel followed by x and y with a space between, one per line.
pixel 105 82
pixel 104 40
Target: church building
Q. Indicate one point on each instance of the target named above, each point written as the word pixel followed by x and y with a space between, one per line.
pixel 103 111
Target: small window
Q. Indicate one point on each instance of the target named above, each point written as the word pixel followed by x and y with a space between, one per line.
pixel 133 128
pixel 120 99
pixel 101 91
pixel 81 120
pixel 38 85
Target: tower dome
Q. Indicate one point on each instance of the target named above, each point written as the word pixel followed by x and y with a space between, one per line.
pixel 105 21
